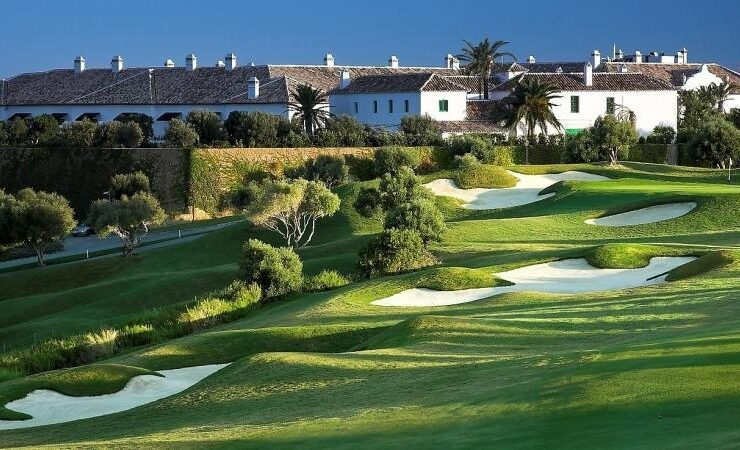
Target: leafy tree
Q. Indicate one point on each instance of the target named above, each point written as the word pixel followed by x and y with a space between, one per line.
pixel 402 187
pixel 116 134
pixel 480 59
pixel 342 131
pixel 581 147
pixel 181 135
pixel 332 170
pixel 256 129
pixel 694 106
pixel 79 134
pixel 3 134
pixel 733 116
pixel 144 121
pixel 392 159
pixel 719 94
pixel 662 134
pixel 420 215
pixel 715 141
pixel 17 131
pixel 291 208
pixel 394 251
pixel 36 219
pixel 529 104
pixel 310 107
pixel 207 124
pixel 277 270
pixel 613 137
pixel 44 130
pixel 128 184
pixel 420 130
pixel 129 218
pixel 368 202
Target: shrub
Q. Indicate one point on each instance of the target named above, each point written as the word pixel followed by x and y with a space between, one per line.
pixel 332 170
pixel 136 335
pixel 394 251
pixel 391 159
pixel 276 270
pixel 128 184
pixel 342 131
pixel 715 141
pixel 181 135
pixel 483 176
pixel 241 293
pixel 368 202
pixel 420 130
pixel 207 125
pixel 381 137
pixel 581 148
pixel 78 134
pixel 401 188
pixel 613 137
pixel 421 216
pixel 325 280
pixel 662 134
pixel 256 129
pixel 101 344
pixel 362 169
pixel 466 161
pixel 204 314
pixel 144 121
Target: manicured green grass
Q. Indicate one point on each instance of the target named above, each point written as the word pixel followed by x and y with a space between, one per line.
pixel 483 176
pixel 652 367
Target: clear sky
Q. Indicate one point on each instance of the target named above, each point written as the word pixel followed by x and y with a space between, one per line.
pixel 45 34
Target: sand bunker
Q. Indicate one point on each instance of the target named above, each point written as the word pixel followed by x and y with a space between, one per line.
pixel 526 190
pixel 570 276
pixel 650 214
pixel 48 407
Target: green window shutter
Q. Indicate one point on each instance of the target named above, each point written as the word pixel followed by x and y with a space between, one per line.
pixel 610 105
pixel 390 106
pixel 575 104
pixel 406 105
pixel 375 106
pixel 357 108
pixel 443 106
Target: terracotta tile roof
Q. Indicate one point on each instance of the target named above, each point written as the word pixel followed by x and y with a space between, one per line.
pixel 552 67
pixel 472 83
pixel 405 82
pixel 478 109
pixel 674 73
pixel 601 82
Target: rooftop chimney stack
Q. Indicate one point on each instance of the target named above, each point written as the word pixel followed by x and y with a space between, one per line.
pixel 620 54
pixel 191 62
pixel 682 57
pixel 169 63
pixel 455 64
pixel 220 63
pixel 345 80
pixel 588 74
pixel 329 60
pixel 638 56
pixel 531 59
pixel 230 61
pixel 116 64
pixel 393 62
pixel 595 59
pixel 253 88
pixel 79 64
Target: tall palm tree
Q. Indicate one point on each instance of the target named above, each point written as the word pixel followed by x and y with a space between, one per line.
pixel 530 104
pixel 310 106
pixel 480 59
pixel 720 93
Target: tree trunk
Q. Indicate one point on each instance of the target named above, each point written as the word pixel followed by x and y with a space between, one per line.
pixel 485 88
pixel 39 256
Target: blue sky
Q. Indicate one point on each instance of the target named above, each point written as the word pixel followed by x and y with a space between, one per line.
pixel 46 34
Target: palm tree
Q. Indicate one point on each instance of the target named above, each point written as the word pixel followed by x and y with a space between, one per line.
pixel 720 93
pixel 480 59
pixel 310 106
pixel 530 103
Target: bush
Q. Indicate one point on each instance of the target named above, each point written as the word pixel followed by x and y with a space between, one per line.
pixel 466 161
pixel 715 141
pixel 207 125
pixel 420 130
pixel 483 176
pixel 332 170
pixel 580 148
pixel 403 187
pixel 381 137
pixel 276 270
pixel 136 335
pixel 144 121
pixel 342 131
pixel 256 129
pixel 101 344
pixel 662 134
pixel 181 135
pixel 362 169
pixel 325 280
pixel 391 159
pixel 394 251
pixel 128 184
pixel 368 202
pixel 421 216
pixel 78 134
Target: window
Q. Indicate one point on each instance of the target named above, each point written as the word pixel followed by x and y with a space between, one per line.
pixel 610 105
pixel 406 106
pixel 444 106
pixel 357 107
pixel 390 106
pixel 575 104
pixel 375 106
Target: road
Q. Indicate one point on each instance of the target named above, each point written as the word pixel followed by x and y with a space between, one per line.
pixel 79 245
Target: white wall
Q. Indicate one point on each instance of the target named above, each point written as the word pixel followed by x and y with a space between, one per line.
pixel 457 105
pixel 344 104
pixel 110 112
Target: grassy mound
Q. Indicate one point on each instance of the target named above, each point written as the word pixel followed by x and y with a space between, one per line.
pixel 484 176
pixel 707 263
pixel 457 278
pixel 97 379
pixel 627 256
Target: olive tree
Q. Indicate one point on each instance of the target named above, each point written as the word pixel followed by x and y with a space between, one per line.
pixel 129 218
pixel 420 215
pixel 128 184
pixel 613 137
pixel 394 251
pixel 715 141
pixel 402 187
pixel 207 124
pixel 35 219
pixel 277 270
pixel 180 135
pixel 292 208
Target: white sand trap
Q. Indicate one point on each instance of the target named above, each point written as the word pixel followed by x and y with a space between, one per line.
pixel 570 276
pixel 48 407
pixel 526 190
pixel 651 214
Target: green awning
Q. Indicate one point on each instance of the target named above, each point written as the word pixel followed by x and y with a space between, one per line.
pixel 573 131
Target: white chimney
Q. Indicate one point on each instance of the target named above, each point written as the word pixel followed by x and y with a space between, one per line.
pixel 253 88
pixel 596 59
pixel 588 74
pixel 393 62
pixel 638 56
pixel 682 56
pixel 620 54
pixel 220 63
pixel 329 60
pixel 79 64
pixel 191 62
pixel 116 64
pixel 230 61
pixel 169 63
pixel 345 80
pixel 623 68
pixel 531 59
pixel 455 64
pixel 448 61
